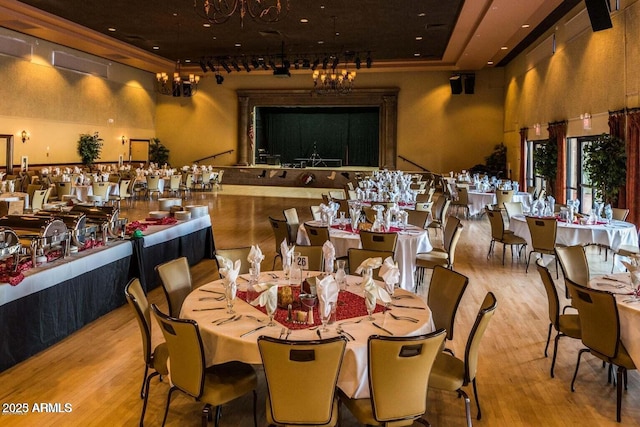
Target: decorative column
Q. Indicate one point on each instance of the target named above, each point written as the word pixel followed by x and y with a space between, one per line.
pixel 558 135
pixel 524 135
pixel 388 132
pixel 244 150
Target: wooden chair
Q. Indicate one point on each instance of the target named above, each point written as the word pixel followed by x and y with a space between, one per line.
pixel 442 256
pixel 38 200
pixel 503 196
pixel 293 223
pixel 418 218
pixel 375 241
pixel 445 293
pixel 440 212
pixel 100 192
pixel 513 208
pixel 357 256
pixel 175 277
pixel 153 186
pixel 212 385
pixel 315 256
pixel 543 238
pixel 574 264
pixel 123 192
pixel 317 234
pixel 399 376
pixel 233 254
pixel 217 180
pixel 462 201
pixel 280 233
pixel 506 237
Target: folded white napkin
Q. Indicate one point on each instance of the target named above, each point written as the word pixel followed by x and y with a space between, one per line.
pixel 329 252
pixel 372 263
pixel 267 298
pixel 255 254
pixel 287 254
pixel 390 273
pixel 373 292
pixel 230 271
pixel 634 271
pixel 327 290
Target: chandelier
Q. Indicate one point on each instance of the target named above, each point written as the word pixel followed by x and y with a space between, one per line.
pixel 179 85
pixel 332 83
pixel 219 11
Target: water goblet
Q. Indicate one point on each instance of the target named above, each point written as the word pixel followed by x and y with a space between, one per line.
pixel 325 316
pixel 341 274
pixel 308 301
pixel 371 306
pixel 342 222
pixel 230 294
pixel 271 310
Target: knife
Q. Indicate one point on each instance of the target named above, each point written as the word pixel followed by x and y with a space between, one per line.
pixel 407 306
pixel 213 292
pixel 319 334
pixel 209 308
pixel 233 319
pixel 380 327
pixel 252 331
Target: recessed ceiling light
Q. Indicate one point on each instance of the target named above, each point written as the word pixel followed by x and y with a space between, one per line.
pixel 111 29
pixel 321 6
pixel 206 25
pixel 238 44
pixel 337 33
pixel 489 62
pixel 418 37
pixel 156 47
pixel 320 41
pixel 422 14
pixel 304 20
pixel 504 48
pixel 416 54
pixel 187 60
pixel 525 25
pixel 215 38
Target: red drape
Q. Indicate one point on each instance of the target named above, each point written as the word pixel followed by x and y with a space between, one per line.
pixel 558 134
pixel 618 129
pixel 524 134
pixel 633 166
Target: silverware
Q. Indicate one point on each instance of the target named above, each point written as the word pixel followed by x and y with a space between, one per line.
pixel 613 279
pixel 252 331
pixel 208 308
pixel 381 328
pixel 353 322
pixel 273 275
pixel 282 331
pixel 209 290
pixel 407 306
pixel 223 319
pixel 611 285
pixel 288 333
pixel 220 298
pixel 410 319
pixel 403 296
pixel 246 280
pixel 319 334
pixel 256 319
pixel 344 333
pixel 232 319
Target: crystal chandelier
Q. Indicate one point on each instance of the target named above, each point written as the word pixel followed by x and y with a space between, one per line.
pixel 332 83
pixel 179 85
pixel 219 11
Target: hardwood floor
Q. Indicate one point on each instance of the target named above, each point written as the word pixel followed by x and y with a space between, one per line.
pixel 98 370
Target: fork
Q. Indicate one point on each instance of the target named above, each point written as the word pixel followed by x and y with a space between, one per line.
pixel 223 319
pixel 410 319
pixel 256 319
pixel 282 331
pixel 351 322
pixel 232 319
pixel 345 334
pixel 220 298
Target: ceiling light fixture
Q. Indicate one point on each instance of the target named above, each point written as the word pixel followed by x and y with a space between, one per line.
pixel 333 83
pixel 219 12
pixel 186 86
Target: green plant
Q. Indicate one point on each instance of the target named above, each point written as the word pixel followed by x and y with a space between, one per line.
pixel 497 161
pixel 545 163
pixel 606 166
pixel 158 153
pixel 89 148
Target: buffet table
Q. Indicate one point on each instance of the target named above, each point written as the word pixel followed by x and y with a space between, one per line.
pixel 59 298
pixel 224 343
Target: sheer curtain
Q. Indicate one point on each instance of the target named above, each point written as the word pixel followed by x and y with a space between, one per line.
pixel 558 134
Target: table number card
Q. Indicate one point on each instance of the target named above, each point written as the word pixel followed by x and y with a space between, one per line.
pixel 302 262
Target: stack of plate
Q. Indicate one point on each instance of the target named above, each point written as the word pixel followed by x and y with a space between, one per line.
pixel 182 215
pixel 197 211
pixel 158 214
pixel 166 203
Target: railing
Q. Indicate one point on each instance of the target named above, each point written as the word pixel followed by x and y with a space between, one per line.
pixel 414 163
pixel 213 156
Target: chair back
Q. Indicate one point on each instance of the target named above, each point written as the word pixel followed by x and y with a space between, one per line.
pixel 138 302
pixel 174 182
pixel 620 214
pixel 175 277
pixel 233 254
pixel 487 310
pixel 317 234
pixel 38 199
pixel 445 293
pixel 599 319
pixel 437 206
pixel 280 232
pixel 543 233
pixel 153 182
pixel 100 189
pixel 336 195
pixel 343 206
pixel 291 217
pixel 185 352
pixel 317 362
pixel 357 256
pixel 424 206
pixel 574 264
pixel 188 181
pixel 63 189
pixel 503 196
pixel 422 197
pixel 463 196
pixel 399 369
pixel 315 256
pixel 497 224
pixel 316 213
pixel 31 188
pixel 552 293
pixel 418 218
pixel 375 241
pixel 513 208
pixel 451 235
pixel 123 190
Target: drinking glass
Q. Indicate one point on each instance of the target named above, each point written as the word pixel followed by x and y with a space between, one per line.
pixel 230 293
pixel 308 301
pixel 326 316
pixel 341 274
pixel 371 305
pixel 254 277
pixel 342 222
pixel 271 310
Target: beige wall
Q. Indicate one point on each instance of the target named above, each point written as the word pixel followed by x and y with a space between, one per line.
pixel 54 106
pixel 435 129
pixel 589 73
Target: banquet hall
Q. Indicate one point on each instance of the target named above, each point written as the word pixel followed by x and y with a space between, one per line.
pixel 530 74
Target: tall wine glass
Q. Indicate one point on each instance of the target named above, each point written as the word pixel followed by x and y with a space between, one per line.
pixel 271 310
pixel 230 293
pixel 371 306
pixel 325 316
pixel 308 301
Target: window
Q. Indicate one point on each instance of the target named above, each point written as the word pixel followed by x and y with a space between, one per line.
pixel 578 185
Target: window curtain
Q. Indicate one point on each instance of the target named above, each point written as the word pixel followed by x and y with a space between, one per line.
pixel 524 135
pixel 633 165
pixel 558 134
pixel 618 128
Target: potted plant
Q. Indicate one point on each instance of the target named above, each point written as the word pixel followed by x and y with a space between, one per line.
pixel 158 153
pixel 497 161
pixel 606 166
pixel 89 147
pixel 545 162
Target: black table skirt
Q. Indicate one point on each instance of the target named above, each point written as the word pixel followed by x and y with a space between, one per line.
pixel 195 246
pixel 37 321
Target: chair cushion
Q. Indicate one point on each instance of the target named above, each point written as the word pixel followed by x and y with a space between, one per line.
pixel 331 423
pixel 160 356
pixel 433 258
pixel 628 250
pixel 363 412
pixel 512 239
pixel 228 381
pixel 570 325
pixel 447 373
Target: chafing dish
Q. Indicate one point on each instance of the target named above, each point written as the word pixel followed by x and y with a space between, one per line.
pixel 76 224
pixel 42 234
pixel 105 216
pixel 9 243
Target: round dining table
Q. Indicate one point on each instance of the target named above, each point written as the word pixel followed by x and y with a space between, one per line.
pixel 411 241
pixel 613 234
pixel 478 200
pixel 236 339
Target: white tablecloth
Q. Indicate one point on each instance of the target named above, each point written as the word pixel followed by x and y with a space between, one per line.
pixel 411 242
pixel 157 234
pixel 223 343
pixel 82 192
pixel 478 201
pixel 613 235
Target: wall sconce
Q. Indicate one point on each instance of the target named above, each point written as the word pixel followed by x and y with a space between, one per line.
pixel 24 136
pixel 537 129
pixel 586 121
pixel 124 140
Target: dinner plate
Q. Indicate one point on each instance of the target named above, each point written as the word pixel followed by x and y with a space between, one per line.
pixel 158 214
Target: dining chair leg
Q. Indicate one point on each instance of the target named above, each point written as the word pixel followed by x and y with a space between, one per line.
pixel 166 409
pixel 475 392
pixel 548 340
pixel 255 404
pixel 467 406
pixel 619 393
pixel 575 374
pixel 144 380
pixel 555 352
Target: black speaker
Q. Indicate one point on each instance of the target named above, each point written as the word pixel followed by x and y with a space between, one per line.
pixel 469 84
pixel 456 84
pixel 599 14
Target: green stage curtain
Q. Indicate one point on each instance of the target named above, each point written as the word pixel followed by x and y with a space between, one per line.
pixel 348 134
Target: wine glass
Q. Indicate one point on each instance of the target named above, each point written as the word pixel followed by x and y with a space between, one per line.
pixel 371 306
pixel 325 316
pixel 341 274
pixel 271 310
pixel 308 301
pixel 342 224
pixel 230 293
